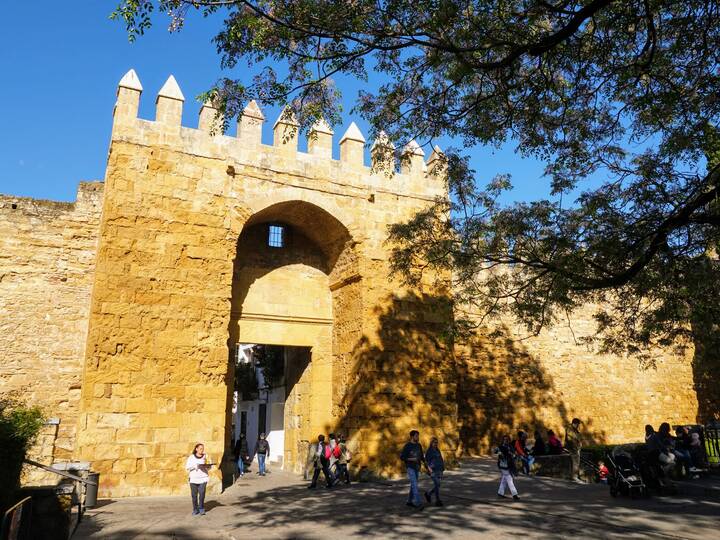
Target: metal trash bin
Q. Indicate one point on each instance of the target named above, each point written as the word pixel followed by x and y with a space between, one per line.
pixel 91 491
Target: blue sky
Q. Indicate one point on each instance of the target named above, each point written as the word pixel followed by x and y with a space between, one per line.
pixel 60 67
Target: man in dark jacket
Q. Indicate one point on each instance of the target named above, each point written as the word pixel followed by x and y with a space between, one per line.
pixel 241 453
pixel 262 449
pixel 413 457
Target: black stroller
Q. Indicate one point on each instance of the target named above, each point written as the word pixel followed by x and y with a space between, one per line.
pixel 624 475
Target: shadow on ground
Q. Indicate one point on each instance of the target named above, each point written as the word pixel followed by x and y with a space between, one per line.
pixel 549 508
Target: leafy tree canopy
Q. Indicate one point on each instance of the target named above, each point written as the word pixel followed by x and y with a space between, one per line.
pixel 622 92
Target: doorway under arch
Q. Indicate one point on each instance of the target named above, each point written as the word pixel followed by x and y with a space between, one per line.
pixel 296 286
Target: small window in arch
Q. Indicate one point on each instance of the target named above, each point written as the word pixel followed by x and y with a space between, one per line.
pixel 276 236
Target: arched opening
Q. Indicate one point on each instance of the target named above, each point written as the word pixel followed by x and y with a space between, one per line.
pixel 295 301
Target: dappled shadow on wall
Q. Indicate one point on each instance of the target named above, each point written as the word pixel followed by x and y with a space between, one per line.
pixel 407 378
pixel 401 379
pixel 503 388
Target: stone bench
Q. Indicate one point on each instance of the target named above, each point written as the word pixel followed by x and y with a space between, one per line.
pixel 555 466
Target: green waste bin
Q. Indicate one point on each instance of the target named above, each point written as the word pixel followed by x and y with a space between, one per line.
pixel 91 491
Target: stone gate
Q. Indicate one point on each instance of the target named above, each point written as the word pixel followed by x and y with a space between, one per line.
pixel 120 311
pixel 184 271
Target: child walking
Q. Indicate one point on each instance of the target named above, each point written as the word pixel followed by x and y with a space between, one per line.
pixel 506 464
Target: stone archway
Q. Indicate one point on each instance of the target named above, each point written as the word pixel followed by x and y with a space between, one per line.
pixel 303 292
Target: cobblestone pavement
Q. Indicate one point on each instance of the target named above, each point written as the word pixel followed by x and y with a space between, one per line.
pixel 279 506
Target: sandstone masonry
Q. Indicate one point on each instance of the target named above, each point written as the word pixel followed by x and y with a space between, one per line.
pixel 122 322
pixel 47 259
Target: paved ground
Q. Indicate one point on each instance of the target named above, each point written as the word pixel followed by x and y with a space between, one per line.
pixel 280 506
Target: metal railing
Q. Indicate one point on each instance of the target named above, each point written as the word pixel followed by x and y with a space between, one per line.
pixel 712 445
pixel 66 474
pixel 17 521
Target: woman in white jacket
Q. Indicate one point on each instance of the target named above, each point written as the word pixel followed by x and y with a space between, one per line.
pixel 197 465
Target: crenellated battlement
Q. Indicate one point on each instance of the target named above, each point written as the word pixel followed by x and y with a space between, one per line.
pixel 416 176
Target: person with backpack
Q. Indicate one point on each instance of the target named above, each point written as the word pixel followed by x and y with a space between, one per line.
pixel 506 464
pixel 333 459
pixel 321 461
pixel 343 457
pixel 412 456
pixel 262 449
pixel 436 467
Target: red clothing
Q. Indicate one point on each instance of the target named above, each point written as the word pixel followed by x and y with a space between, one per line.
pixel 520 448
pixel 603 472
pixel 555 444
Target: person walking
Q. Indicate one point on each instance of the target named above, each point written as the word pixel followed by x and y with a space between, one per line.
pixel 241 453
pixel 523 453
pixel 197 465
pixel 506 464
pixel 334 455
pixel 262 449
pixel 343 460
pixel 321 461
pixel 573 443
pixel 412 456
pixel 436 467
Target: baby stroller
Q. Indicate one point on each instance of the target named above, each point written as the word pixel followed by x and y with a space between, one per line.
pixel 625 475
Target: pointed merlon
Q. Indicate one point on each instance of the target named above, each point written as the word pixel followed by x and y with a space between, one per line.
pixel 353 133
pixel 171 90
pixel 413 148
pixel 130 80
pixel 436 154
pixel 208 104
pixel 383 141
pixel 321 126
pixel 252 110
pixel 287 117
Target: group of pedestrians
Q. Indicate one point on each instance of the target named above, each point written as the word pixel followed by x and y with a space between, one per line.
pixel 331 458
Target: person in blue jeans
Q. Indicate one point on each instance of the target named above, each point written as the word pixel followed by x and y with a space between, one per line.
pixel 412 456
pixel 436 466
pixel 241 453
pixel 262 449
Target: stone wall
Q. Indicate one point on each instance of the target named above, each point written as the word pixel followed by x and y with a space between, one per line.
pixel 174 272
pixel 47 258
pixel 177 199
pixel 509 381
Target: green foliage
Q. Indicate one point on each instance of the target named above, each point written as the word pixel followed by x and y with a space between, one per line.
pixel 271 360
pixel 246 382
pixel 597 452
pixel 618 99
pixel 19 425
